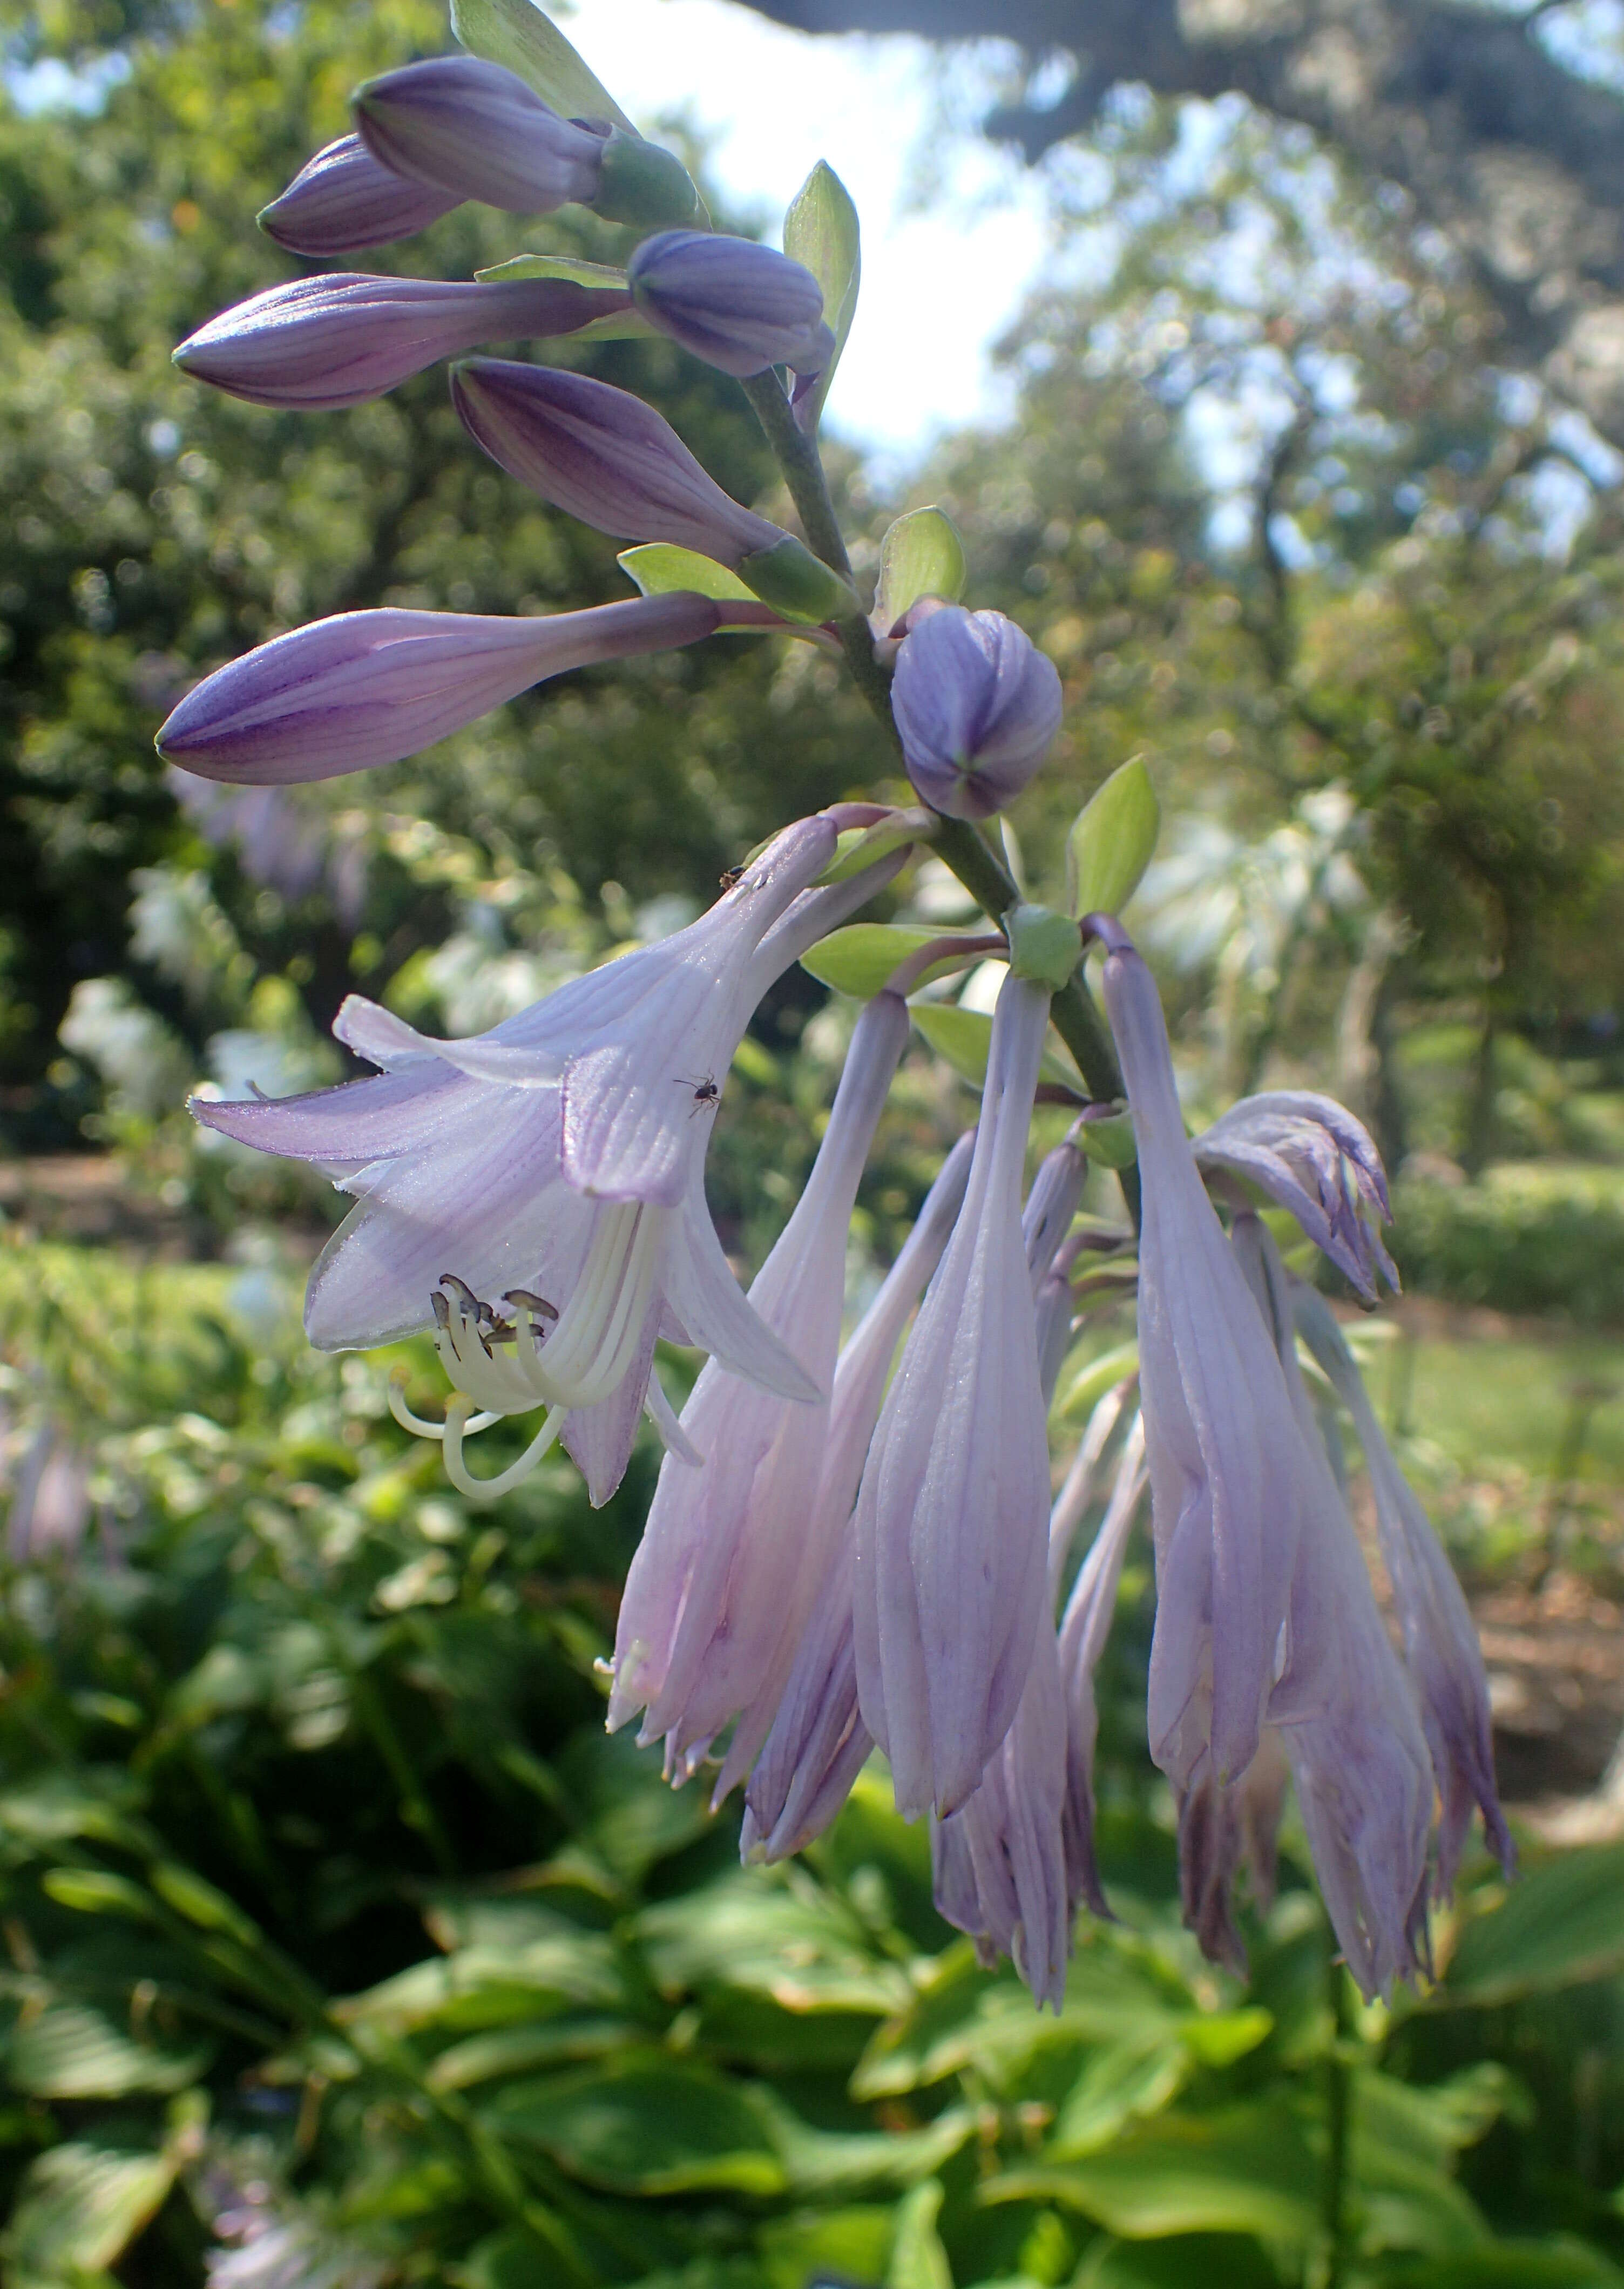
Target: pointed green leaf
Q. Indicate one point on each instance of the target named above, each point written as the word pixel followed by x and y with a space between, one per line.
pixel 79 2207
pixel 964 1037
pixel 921 555
pixel 1110 1142
pixel 660 568
pixel 650 2125
pixel 918 2259
pixel 821 231
pixel 859 959
pixel 617 326
pixel 1096 1378
pixel 518 35
pixel 1561 1924
pixel 71 2052
pixel 1111 841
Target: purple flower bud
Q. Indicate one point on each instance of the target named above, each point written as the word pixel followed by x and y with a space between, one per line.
pixel 738 306
pixel 474 131
pixel 1311 1155
pixel 345 199
pixel 367 688
pixel 603 456
pixel 977 705
pixel 336 340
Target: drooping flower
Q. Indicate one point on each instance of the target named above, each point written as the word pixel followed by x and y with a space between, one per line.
pixel 731 1556
pixel 818 1744
pixel 338 340
pixel 1226 1834
pixel 1440 1643
pixel 344 199
pixel 1226 1507
pixel 977 707
pixel 1346 1710
pixel 558 1160
pixel 740 306
pixel 602 455
pixel 955 1493
pixel 1312 1156
pixel 368 687
pixel 1085 1624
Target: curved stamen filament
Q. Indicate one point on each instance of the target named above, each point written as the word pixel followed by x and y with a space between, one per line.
pixel 418 1424
pixel 484 1490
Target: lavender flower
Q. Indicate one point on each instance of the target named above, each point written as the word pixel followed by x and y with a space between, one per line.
pixel 1312 1156
pixel 977 705
pixel 1223 1835
pixel 321 343
pixel 472 129
pixel 731 1557
pixel 1440 1643
pixel 559 1158
pixel 1220 1431
pixel 367 688
pixel 818 1743
pixel 740 306
pixel 1085 1624
pixel 951 1514
pixel 344 199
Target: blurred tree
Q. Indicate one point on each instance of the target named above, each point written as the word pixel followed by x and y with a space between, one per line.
pixel 1504 125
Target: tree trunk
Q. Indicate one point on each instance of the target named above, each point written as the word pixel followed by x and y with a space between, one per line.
pixel 1518 160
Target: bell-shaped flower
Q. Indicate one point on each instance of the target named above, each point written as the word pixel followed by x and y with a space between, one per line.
pixel 1226 1834
pixel 977 707
pixel 740 306
pixel 730 1561
pixel 1440 1643
pixel 1226 1515
pixel 472 129
pixel 1346 1714
pixel 818 1744
pixel 368 687
pixel 605 457
pixel 344 199
pixel 341 338
pixel 558 1161
pixel 1312 1156
pixel 955 1495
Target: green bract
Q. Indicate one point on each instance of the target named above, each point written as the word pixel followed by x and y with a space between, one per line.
pixel 518 35
pixel 1111 841
pixel 921 555
pixel 820 230
pixel 660 569
pixel 1043 946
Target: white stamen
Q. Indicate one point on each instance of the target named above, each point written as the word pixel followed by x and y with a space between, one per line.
pixel 484 1490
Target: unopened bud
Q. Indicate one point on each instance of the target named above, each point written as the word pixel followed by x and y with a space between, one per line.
pixel 977 705
pixel 345 199
pixel 740 306
pixel 470 129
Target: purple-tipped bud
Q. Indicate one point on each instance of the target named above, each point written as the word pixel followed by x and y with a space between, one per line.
pixel 977 705
pixel 345 199
pixel 602 456
pixel 1312 1156
pixel 367 688
pixel 472 130
pixel 738 306
pixel 336 340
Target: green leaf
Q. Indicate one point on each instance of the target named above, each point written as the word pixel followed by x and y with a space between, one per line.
pixel 847 2244
pixel 520 36
pixel 1558 2263
pixel 1044 946
pixel 821 230
pixel 1244 2169
pixel 658 2126
pixel 1111 841
pixel 79 2207
pixel 97 1891
pixel 481 1987
pixel 660 568
pixel 920 555
pixel 201 1903
pixel 615 326
pixel 1562 1924
pixel 858 847
pixel 72 2052
pixel 1121 2083
pixel 859 959
pixel 964 1037
pixel 1228 2261
pixel 520 2049
pixel 821 2163
pixel 1109 1141
pixel 1096 1377
pixel 918 2259
pixel 754 1932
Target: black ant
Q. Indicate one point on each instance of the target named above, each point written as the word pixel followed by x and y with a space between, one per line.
pixel 730 875
pixel 707 1096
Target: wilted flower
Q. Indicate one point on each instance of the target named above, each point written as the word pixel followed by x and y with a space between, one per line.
pixel 730 1559
pixel 976 706
pixel 955 1493
pixel 1440 1642
pixel 368 687
pixel 740 306
pixel 345 199
pixel 558 1161
pixel 1312 1156
pixel 818 1743
pixel 341 338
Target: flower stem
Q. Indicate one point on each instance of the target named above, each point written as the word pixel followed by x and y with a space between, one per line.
pixel 956 843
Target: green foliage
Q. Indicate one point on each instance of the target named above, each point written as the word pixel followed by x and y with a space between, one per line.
pixel 1528 1237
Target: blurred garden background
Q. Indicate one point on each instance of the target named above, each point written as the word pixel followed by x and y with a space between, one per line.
pixel 338 1945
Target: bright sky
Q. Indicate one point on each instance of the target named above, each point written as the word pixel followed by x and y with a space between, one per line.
pixel 938 288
